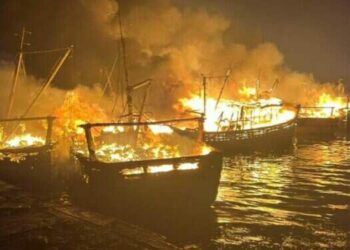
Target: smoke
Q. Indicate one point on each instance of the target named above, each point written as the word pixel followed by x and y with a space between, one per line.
pixel 169 43
pixel 175 45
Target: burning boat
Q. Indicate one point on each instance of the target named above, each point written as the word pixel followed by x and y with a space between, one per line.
pixel 26 155
pixel 26 142
pixel 261 123
pixel 128 165
pixel 323 119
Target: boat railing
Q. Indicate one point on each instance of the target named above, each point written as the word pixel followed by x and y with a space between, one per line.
pixel 149 166
pixel 90 139
pixel 332 112
pixel 249 116
pixel 247 133
pixel 12 130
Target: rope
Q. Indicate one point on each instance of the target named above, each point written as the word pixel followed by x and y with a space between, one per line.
pixel 45 51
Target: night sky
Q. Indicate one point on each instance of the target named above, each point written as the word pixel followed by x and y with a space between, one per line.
pixel 313 35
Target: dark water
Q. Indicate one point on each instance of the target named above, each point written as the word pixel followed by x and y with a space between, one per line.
pixel 299 199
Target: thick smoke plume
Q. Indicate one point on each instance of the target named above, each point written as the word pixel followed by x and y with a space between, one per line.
pixel 169 43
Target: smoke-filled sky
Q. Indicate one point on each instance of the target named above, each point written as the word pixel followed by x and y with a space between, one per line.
pixel 301 42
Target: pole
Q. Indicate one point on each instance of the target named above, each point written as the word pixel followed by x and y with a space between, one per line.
pixel 204 96
pixel 90 143
pixel 50 120
pixel 347 119
pixel 49 80
pixel 16 74
pixel 126 74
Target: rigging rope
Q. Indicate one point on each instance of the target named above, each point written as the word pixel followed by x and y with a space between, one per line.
pixel 45 51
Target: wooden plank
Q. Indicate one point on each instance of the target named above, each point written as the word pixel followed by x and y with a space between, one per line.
pixel 126 230
pixel 82 215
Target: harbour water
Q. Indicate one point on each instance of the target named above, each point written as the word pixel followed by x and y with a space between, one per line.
pixel 298 199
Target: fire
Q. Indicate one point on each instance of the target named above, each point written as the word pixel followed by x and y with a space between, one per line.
pixel 205 149
pixel 160 168
pixel 75 112
pixel 327 106
pixel 125 152
pixel 113 129
pixel 231 115
pixel 249 92
pixel 25 140
pixel 153 142
pixel 161 129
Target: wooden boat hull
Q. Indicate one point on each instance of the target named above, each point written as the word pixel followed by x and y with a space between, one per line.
pixel 274 137
pixel 177 189
pixel 317 127
pixel 28 167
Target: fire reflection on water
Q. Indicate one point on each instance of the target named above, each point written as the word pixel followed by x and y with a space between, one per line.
pixel 299 199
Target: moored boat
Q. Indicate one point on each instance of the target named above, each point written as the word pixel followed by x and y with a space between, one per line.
pixel 251 122
pixel 277 136
pixel 26 158
pixel 318 121
pixel 173 182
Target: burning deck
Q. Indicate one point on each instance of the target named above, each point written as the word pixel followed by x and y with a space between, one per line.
pixel 234 126
pixel 147 165
pixel 25 149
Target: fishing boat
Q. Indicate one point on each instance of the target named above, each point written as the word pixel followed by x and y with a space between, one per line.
pixel 277 136
pixel 318 121
pixel 231 126
pixel 25 157
pixel 167 181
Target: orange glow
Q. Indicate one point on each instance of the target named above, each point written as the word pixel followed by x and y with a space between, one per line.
pixel 25 140
pixel 327 106
pixel 154 142
pixel 75 112
pixel 236 114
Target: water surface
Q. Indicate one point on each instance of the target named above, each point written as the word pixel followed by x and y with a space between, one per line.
pixel 299 199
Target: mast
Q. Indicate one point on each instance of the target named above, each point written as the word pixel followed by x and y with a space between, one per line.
pixel 19 64
pixel 126 74
pixel 49 80
pixel 204 95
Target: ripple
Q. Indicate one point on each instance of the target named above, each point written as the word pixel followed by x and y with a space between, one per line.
pixel 294 200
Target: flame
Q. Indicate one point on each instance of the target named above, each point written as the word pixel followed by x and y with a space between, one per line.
pixel 113 129
pixel 25 140
pixel 231 115
pixel 248 92
pixel 154 142
pixel 160 168
pixel 161 129
pixel 74 112
pixel 326 106
pixel 205 149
